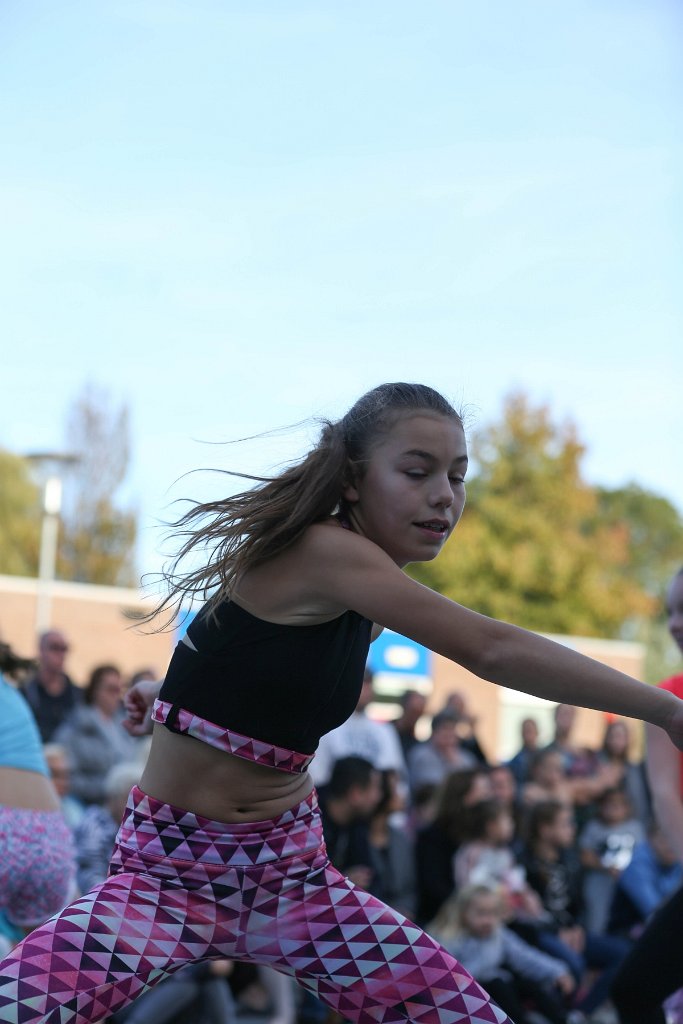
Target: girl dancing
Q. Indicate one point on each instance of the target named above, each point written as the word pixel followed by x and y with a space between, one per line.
pixel 220 852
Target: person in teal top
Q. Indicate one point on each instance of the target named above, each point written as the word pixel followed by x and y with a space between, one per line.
pixel 37 864
pixel 20 745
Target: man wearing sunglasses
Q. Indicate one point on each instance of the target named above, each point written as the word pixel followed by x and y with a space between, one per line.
pixel 50 692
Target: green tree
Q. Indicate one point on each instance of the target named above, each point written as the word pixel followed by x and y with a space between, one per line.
pixel 20 513
pixel 655 533
pixel 531 548
pixel 97 541
pixel 662 656
pixel 655 541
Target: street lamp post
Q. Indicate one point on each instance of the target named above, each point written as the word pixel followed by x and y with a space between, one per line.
pixel 49 464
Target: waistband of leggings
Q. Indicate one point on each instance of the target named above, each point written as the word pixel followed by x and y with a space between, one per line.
pixel 163 830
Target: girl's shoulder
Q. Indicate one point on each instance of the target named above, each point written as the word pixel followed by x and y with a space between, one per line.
pixel 294 587
pixel 330 539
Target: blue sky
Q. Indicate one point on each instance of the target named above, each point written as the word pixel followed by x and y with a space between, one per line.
pixel 236 216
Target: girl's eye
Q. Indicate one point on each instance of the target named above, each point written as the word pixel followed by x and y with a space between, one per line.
pixel 457 479
pixel 416 474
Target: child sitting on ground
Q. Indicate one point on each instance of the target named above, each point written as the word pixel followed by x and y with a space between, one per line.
pixel 486 857
pixel 470 926
pixel 606 845
pixel 554 871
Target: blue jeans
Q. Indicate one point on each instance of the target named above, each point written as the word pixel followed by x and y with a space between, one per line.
pixel 602 951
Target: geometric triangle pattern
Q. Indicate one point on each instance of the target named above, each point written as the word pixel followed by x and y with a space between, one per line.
pixel 183 888
pixel 230 741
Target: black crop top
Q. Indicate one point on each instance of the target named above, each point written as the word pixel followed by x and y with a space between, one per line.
pixel 286 685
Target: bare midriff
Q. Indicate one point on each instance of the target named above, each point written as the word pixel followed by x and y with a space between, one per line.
pixel 27 790
pixel 199 778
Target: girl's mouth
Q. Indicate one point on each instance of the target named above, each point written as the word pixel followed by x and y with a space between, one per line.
pixel 436 527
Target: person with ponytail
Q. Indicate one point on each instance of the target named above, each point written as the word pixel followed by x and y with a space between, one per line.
pixel 220 851
pixel 650 980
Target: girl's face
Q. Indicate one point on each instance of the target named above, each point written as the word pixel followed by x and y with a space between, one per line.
pixel 109 693
pixel 501 829
pixel 529 732
pixel 503 784
pixel 549 771
pixel 480 789
pixel 615 809
pixel 562 831
pixel 481 917
pixel 412 492
pixel 674 609
pixel 617 739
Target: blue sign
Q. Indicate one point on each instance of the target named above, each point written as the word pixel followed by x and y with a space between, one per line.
pixel 392 653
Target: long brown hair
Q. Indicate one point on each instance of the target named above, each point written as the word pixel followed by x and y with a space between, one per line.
pixel 255 525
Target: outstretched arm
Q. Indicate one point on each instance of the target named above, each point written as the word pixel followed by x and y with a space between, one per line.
pixel 356 573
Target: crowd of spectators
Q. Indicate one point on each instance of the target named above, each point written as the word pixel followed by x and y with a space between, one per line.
pixel 537 873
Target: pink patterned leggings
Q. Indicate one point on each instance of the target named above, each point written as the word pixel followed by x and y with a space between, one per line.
pixel 37 864
pixel 183 888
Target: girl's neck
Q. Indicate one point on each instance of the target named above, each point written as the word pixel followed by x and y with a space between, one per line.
pixel 546 850
pixel 483 938
pixel 379 831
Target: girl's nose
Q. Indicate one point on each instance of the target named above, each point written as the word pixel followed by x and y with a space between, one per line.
pixel 443 494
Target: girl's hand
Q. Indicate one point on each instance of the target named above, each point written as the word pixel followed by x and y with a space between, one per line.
pixel 566 984
pixel 138 704
pixel 573 937
pixel 532 903
pixel 360 875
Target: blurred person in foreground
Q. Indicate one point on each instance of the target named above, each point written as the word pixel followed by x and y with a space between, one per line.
pixel 36 850
pixel 654 969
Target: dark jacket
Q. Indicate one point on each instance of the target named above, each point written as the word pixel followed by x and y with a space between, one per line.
pixel 48 711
